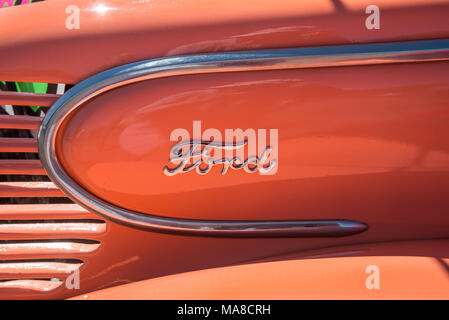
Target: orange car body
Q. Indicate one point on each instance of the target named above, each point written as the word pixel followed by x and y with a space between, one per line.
pixel 365 141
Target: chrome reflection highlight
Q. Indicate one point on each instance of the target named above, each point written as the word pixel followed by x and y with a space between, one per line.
pixel 280 59
pixel 187 159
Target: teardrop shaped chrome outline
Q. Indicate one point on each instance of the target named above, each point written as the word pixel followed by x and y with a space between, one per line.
pixel 279 59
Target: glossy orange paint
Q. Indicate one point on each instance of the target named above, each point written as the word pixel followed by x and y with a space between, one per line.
pixel 365 143
pixel 124 31
pixel 387 135
pixel 320 277
pixel 352 145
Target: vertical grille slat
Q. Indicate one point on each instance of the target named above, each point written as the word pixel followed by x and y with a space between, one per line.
pixel 52 227
pixel 25 167
pixel 40 247
pixel 29 189
pixel 28 99
pixel 36 268
pixel 38 285
pixel 18 145
pixel 44 211
pixel 43 235
pixel 20 122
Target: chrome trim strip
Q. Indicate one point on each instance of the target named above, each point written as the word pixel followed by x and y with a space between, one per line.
pixel 316 57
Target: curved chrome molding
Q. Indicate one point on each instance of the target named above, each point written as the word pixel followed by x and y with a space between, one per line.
pixel 329 56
